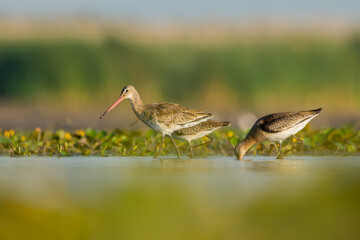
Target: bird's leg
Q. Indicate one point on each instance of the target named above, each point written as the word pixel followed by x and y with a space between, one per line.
pixel 161 147
pixel 191 151
pixel 135 122
pixel 274 145
pixel 177 149
pixel 205 143
pixel 281 155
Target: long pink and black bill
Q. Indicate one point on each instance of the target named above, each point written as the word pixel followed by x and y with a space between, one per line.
pixel 112 106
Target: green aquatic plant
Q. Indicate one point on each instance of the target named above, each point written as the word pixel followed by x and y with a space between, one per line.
pixel 92 142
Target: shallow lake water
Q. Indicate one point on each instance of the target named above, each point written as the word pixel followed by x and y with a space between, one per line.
pixel 34 178
pixel 215 192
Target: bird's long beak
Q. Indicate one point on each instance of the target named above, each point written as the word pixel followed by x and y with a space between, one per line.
pixel 112 106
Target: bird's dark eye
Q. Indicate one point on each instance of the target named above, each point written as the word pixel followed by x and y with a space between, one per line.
pixel 126 90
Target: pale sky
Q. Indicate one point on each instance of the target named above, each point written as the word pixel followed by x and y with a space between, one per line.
pixel 185 10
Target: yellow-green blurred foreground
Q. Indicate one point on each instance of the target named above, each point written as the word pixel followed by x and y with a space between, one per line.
pixel 213 198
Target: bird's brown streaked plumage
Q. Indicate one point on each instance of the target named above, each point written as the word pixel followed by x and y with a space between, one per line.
pixel 275 128
pixel 200 130
pixel 209 125
pixel 161 117
pixel 171 114
pixel 278 122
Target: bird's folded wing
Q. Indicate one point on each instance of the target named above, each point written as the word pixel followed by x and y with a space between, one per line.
pixel 278 122
pixel 170 113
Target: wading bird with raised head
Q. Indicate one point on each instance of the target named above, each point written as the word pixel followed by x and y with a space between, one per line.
pixel 161 117
pixel 200 130
pixel 275 127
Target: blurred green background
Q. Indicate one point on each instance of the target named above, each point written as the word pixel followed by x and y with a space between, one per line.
pixel 242 73
pixel 47 76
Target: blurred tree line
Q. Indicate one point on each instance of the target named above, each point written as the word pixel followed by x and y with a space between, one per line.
pixel 242 71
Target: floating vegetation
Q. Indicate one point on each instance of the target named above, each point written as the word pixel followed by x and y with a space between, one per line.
pixel 91 142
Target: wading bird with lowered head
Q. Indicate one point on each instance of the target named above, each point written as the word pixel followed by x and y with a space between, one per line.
pixel 161 117
pixel 275 127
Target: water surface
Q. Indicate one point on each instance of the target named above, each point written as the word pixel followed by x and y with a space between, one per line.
pixel 219 195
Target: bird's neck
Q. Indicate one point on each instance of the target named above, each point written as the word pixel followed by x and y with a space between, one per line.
pixel 136 103
pixel 247 143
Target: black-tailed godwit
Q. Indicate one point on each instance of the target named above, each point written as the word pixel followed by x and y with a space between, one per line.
pixel 275 128
pixel 200 130
pixel 161 117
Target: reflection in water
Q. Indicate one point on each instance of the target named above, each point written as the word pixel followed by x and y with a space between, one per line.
pixel 280 166
pixel 183 166
pixel 168 198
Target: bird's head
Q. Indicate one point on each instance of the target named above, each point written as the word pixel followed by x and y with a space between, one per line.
pixel 240 150
pixel 127 92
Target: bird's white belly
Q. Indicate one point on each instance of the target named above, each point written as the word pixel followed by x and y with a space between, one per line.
pixel 193 136
pixel 200 135
pixel 281 136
